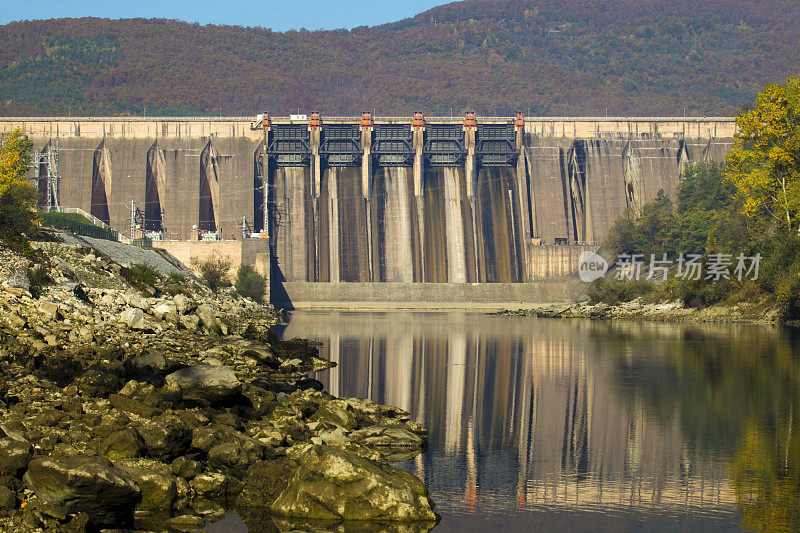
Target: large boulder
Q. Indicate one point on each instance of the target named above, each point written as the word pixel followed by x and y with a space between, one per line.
pixel 332 484
pixel 125 444
pixel 336 412
pixel 206 384
pixel 14 456
pixel 155 480
pixel 84 484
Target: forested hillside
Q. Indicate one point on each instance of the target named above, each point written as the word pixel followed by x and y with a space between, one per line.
pixel 546 57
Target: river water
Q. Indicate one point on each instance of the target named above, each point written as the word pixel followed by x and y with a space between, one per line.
pixel 580 425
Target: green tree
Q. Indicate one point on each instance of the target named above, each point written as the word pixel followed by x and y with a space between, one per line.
pixel 764 163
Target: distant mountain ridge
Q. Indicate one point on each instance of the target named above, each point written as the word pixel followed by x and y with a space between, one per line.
pixel 544 57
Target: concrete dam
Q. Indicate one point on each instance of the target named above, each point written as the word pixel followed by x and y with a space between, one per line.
pixel 433 207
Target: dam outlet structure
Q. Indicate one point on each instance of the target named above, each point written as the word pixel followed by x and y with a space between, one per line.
pixel 370 209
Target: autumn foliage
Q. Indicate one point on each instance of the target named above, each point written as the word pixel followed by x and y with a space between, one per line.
pixel 17 196
pixel 764 163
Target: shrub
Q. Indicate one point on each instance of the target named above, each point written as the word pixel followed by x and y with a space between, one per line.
pixel 214 269
pixel 788 300
pixel 250 283
pixel 176 278
pixel 141 275
pixel 176 283
pixel 39 278
pixel 612 291
pixel 704 293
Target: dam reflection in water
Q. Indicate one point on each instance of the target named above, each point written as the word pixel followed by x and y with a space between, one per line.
pixel 577 424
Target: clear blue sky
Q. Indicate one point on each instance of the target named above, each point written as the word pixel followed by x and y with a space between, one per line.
pixel 311 14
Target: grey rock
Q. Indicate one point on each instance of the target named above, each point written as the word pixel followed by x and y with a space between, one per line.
pixel 206 316
pixel 234 457
pixel 49 310
pixel 14 456
pixel 125 444
pixel 166 311
pixel 147 363
pixel 183 303
pixel 186 522
pixel 211 485
pixel 18 280
pixel 133 318
pixel 136 301
pixel 165 437
pixel 333 484
pixel 190 322
pixel 84 484
pixel 387 436
pixel 155 480
pixel 336 412
pixel 7 499
pixel 206 384
pixel 185 467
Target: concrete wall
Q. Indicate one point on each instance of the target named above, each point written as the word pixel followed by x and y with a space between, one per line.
pixel 248 252
pixel 551 262
pixel 388 296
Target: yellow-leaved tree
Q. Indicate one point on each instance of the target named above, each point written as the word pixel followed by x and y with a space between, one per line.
pixel 17 196
pixel 764 162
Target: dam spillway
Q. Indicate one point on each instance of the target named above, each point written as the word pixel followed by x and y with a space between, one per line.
pixel 395 200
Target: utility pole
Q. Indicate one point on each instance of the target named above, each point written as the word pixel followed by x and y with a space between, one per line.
pixel 56 178
pixel 133 220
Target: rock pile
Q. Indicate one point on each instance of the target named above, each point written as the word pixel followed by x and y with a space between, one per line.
pixel 123 407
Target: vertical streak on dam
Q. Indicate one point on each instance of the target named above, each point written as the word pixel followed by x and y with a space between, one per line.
pixel 209 189
pixel 101 183
pixel 155 188
pixel 394 224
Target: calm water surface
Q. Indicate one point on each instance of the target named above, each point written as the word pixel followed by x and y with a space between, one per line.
pixel 582 425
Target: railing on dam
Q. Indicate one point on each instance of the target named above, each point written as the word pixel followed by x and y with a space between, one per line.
pixel 197 127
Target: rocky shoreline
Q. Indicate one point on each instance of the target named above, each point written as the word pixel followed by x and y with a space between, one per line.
pixel 743 313
pixel 165 407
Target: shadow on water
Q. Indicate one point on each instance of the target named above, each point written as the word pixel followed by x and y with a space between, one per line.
pixel 581 424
